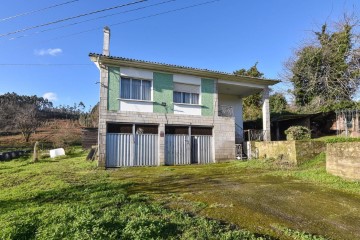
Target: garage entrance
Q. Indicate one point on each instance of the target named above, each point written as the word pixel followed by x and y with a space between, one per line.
pixel 129 145
pixel 188 145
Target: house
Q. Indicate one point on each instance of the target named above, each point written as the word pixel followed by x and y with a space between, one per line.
pixel 154 114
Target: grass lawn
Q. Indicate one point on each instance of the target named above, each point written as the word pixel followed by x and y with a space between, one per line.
pixel 69 198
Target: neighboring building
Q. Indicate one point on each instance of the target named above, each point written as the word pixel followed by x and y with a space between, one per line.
pixel 155 114
pixel 347 123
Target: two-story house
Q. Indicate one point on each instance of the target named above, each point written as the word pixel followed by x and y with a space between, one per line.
pixel 154 114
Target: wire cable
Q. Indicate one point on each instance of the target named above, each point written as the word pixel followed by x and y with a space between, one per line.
pixel 91 19
pixel 38 10
pixel 136 19
pixel 73 17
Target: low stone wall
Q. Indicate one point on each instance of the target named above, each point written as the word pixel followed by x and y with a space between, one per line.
pixel 343 159
pixel 292 152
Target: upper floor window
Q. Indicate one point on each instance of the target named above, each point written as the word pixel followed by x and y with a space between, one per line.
pixel 135 89
pixel 186 93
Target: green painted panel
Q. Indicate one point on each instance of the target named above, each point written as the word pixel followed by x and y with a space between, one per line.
pixel 163 92
pixel 207 97
pixel 113 89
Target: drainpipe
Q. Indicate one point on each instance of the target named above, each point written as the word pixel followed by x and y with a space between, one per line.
pixel 106 45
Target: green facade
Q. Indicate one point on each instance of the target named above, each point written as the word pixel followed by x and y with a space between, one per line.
pixel 113 89
pixel 207 97
pixel 163 92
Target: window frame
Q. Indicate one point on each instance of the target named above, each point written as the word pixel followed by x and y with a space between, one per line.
pixel 190 98
pixel 141 89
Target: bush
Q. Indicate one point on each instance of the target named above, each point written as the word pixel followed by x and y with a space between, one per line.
pixel 298 133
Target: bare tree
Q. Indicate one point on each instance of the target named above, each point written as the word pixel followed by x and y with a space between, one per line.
pixel 26 120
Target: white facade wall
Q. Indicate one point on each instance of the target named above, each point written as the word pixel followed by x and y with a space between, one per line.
pixel 187 109
pixel 136 106
pixel 236 103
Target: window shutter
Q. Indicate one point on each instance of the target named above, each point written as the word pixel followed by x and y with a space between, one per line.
pixel 187 88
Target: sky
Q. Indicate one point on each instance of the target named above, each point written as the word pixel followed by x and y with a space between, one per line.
pixel 226 35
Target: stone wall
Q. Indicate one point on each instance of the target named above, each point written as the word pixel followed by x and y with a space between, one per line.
pixel 343 159
pixel 292 152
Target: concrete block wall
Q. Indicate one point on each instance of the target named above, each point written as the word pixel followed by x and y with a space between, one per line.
pixel 342 159
pixel 223 130
pixel 293 152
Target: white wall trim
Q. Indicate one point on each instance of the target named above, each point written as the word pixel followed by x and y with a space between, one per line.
pixel 241 84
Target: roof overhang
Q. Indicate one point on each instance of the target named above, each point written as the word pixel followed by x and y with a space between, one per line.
pixel 256 84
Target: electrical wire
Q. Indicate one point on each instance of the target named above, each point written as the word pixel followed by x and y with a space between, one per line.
pixel 73 17
pixel 38 10
pixel 91 19
pixel 136 19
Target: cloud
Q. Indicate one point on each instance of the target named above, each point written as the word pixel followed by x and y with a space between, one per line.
pixel 50 96
pixel 50 51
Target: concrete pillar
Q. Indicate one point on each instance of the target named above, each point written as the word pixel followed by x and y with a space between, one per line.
pixel 161 149
pixel 106 44
pixel 266 115
pixel 102 113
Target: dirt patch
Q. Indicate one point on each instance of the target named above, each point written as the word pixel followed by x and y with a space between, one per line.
pixel 253 199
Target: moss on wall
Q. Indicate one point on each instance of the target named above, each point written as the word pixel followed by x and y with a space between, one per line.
pixel 292 152
pixel 342 159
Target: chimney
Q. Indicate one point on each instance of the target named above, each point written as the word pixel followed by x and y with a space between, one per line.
pixel 106 45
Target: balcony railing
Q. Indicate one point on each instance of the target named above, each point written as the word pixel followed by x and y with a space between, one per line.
pixel 254 134
pixel 225 111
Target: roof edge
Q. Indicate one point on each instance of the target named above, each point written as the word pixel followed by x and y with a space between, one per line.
pixel 112 60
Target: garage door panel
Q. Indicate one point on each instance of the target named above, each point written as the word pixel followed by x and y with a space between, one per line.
pixel 177 149
pixel 119 150
pixel 146 149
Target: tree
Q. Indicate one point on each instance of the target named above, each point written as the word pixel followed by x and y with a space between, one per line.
pixel 326 71
pixel 278 103
pixel 252 103
pixel 20 113
pixel 26 120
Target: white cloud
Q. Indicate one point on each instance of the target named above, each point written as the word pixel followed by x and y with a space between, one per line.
pixel 50 51
pixel 50 96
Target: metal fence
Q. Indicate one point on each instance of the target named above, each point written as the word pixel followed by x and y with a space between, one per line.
pixel 225 111
pixel 146 149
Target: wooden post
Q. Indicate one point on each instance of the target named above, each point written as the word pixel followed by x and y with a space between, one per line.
pixel 36 153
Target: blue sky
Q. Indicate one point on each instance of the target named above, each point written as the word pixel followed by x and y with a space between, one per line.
pixel 225 35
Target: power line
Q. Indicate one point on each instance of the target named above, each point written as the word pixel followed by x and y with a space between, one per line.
pixel 136 19
pixel 91 19
pixel 38 10
pixel 73 17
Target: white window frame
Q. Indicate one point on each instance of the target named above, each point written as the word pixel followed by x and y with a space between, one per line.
pixel 141 89
pixel 182 97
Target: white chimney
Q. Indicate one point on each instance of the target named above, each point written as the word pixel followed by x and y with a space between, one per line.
pixel 106 45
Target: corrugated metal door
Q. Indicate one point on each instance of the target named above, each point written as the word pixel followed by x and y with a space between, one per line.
pixel 177 149
pixel 146 150
pixel 201 149
pixel 119 150
pixel 123 151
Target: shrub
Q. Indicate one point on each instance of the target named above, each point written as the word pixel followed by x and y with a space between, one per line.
pixel 298 133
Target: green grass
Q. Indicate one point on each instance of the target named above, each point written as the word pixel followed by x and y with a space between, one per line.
pixel 69 198
pixel 336 139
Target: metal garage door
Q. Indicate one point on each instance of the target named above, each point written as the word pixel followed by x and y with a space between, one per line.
pixel 186 145
pixel 127 150
pixel 201 149
pixel 177 149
